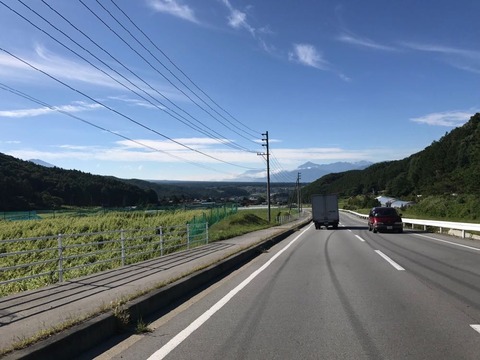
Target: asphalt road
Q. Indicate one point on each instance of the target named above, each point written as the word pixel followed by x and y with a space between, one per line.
pixel 330 294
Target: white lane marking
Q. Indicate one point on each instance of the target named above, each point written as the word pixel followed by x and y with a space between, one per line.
pixel 393 263
pixel 449 242
pixel 475 327
pixel 185 333
pixel 359 238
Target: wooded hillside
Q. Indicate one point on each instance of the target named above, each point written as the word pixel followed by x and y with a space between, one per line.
pixel 449 165
pixel 27 186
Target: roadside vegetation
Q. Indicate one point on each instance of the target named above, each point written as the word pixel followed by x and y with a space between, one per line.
pixel 461 208
pixel 93 223
pixel 454 207
pixel 243 222
pixel 442 179
pixel 97 228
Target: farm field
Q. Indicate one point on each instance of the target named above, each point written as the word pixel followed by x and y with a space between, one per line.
pixel 92 243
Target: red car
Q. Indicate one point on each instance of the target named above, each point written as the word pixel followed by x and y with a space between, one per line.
pixel 385 219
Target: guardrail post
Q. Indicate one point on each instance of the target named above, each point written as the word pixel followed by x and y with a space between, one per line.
pixel 463 234
pixel 206 232
pixel 60 258
pixel 122 237
pixel 160 233
pixel 188 236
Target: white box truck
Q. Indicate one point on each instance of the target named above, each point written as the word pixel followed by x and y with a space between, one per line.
pixel 325 211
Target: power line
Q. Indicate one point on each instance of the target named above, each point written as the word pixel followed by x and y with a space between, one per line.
pixel 108 107
pixel 119 113
pixel 280 173
pixel 149 63
pixel 257 133
pixel 176 116
pixel 54 108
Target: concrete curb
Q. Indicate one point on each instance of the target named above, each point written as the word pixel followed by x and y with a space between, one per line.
pixel 85 336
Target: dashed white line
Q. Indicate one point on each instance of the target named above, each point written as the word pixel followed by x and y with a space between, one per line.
pixel 185 333
pixel 359 238
pixel 390 261
pixel 475 327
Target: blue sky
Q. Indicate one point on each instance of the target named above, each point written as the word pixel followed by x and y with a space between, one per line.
pixel 184 89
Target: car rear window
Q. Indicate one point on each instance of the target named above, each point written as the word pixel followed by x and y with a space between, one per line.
pixel 385 212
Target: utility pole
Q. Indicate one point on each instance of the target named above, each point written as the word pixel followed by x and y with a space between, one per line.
pixel 298 193
pixel 267 154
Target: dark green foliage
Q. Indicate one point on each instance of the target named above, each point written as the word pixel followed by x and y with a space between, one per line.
pixel 450 165
pixel 361 202
pixel 25 186
pixel 452 207
pixel 248 219
pixel 187 191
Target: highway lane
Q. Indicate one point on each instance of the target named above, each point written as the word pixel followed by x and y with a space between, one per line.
pixel 331 294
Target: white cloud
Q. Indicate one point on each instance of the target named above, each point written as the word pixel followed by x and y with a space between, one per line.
pixel 238 19
pixel 463 59
pixel 10 142
pixel 449 118
pixel 135 102
pixel 164 145
pixel 171 161
pixel 52 64
pixel 308 55
pixel 364 42
pixel 170 152
pixel 73 72
pixel 125 151
pixel 175 8
pixel 443 50
pixel 23 113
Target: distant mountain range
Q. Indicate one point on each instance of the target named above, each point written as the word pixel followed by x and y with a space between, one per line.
pixel 309 172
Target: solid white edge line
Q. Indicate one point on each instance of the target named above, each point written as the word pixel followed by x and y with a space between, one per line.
pixel 475 327
pixel 178 339
pixel 359 238
pixel 390 261
pixel 449 242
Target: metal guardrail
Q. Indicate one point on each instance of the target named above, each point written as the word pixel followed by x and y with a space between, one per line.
pixel 441 225
pixel 57 258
